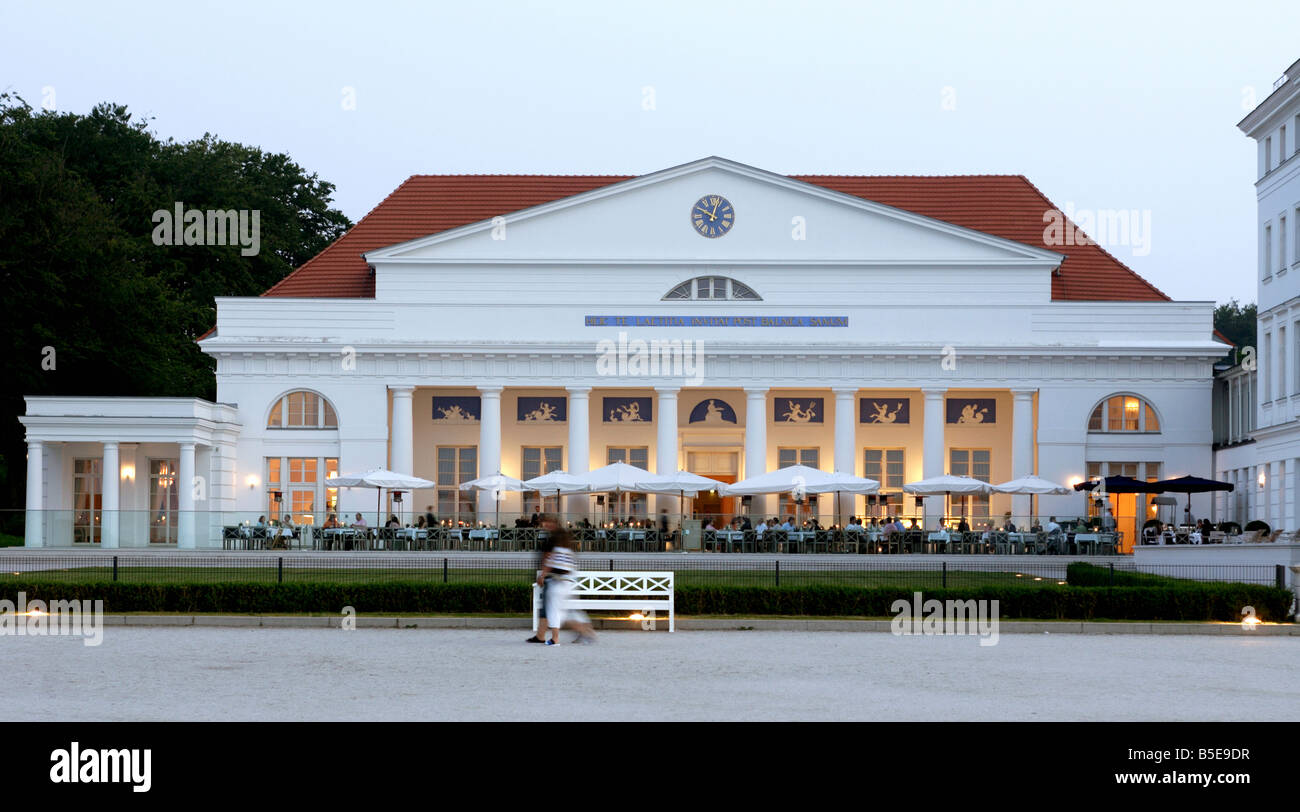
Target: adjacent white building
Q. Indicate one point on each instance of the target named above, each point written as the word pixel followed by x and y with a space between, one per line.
pixel 1267 470
pixel 713 317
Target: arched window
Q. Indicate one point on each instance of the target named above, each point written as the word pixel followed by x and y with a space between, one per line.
pixel 1124 413
pixel 713 288
pixel 302 410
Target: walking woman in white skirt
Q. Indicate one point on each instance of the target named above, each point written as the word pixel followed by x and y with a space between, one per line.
pixel 557 575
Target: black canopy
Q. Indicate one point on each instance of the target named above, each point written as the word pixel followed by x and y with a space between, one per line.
pixel 1189 484
pixel 1118 484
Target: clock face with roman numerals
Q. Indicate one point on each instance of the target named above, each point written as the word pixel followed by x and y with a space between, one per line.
pixel 712 216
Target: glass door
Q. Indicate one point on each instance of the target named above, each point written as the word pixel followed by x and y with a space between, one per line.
pixel 87 497
pixel 164 499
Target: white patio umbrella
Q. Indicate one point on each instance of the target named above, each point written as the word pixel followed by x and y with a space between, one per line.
pixel 496 483
pixel 556 482
pixel 618 477
pixel 680 483
pixel 839 482
pixel 947 485
pixel 379 479
pixel 1032 486
pixel 795 480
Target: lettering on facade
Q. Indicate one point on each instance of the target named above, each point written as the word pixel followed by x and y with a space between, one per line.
pixel 716 321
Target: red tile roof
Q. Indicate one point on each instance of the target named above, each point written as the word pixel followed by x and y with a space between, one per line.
pixel 1007 206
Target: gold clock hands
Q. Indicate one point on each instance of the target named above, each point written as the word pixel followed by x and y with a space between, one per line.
pixel 706 211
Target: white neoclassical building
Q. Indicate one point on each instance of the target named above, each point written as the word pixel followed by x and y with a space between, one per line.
pixel 1260 449
pixel 713 317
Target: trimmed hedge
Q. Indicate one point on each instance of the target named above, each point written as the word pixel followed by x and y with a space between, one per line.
pixel 1187 601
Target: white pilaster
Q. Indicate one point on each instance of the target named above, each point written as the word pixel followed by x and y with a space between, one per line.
pixel 185 501
pixel 933 453
pixel 489 445
pixel 33 531
pixel 756 443
pixel 111 499
pixel 401 454
pixel 579 461
pixel 845 448
pixel 1022 448
pixel 666 448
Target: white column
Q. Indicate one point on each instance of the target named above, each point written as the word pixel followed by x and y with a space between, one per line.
pixel 33 532
pixel 489 445
pixel 756 443
pixel 1022 449
pixel 579 461
pixel 666 449
pixel 401 455
pixel 846 451
pixel 111 499
pixel 185 481
pixel 932 456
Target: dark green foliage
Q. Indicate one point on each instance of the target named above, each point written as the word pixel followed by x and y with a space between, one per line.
pixel 1257 524
pixel 81 273
pixel 1238 323
pixel 1185 601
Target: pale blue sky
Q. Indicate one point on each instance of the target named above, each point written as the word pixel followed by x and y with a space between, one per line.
pixel 1103 105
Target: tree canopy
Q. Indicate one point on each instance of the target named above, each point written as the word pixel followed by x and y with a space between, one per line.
pixel 92 305
pixel 1237 322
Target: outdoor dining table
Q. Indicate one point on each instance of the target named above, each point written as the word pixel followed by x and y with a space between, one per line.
pixel 333 537
pixel 1021 542
pixel 943 537
pixel 730 537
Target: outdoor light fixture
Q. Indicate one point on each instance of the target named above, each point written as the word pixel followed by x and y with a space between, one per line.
pixel 277 496
pixel 252 482
pixel 128 472
pixel 1262 479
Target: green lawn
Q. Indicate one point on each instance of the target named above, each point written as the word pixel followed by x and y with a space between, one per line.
pixel 920 579
pixel 7 540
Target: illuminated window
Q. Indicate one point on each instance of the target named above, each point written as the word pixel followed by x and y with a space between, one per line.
pixel 302 410
pixel 1124 413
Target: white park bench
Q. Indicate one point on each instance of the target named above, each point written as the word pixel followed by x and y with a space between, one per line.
pixel 635 591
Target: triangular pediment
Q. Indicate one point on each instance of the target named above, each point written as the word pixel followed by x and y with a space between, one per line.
pixel 777 220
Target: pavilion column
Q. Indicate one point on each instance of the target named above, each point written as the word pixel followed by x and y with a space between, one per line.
pixel 579 462
pixel 666 448
pixel 845 448
pixel 401 455
pixel 33 532
pixel 489 445
pixel 756 444
pixel 111 497
pixel 185 502
pixel 1022 449
pixel 932 456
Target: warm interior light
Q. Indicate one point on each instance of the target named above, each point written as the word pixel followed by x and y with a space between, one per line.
pixel 1075 480
pixel 1130 406
pixel 636 616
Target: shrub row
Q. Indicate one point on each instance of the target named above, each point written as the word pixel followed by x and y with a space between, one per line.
pixel 1193 601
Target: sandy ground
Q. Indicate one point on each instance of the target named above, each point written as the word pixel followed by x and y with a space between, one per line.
pixel 376 674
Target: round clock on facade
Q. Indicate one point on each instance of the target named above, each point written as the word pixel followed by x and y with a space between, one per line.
pixel 712 216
